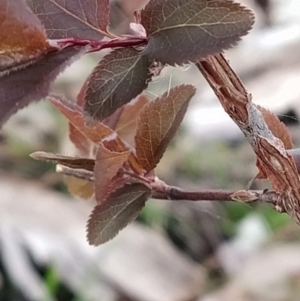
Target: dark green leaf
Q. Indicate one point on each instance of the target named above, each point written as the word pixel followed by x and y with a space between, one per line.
pixel 119 77
pixel 121 208
pixel 158 123
pixel 73 18
pixel 185 31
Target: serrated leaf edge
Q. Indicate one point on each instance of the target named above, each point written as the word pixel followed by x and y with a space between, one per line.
pixel 113 219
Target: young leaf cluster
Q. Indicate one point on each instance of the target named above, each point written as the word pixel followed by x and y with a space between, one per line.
pixel 120 135
pixel 117 167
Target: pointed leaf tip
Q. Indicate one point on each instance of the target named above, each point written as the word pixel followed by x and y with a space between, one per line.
pixel 158 123
pixel 189 30
pixel 121 208
pixel 72 162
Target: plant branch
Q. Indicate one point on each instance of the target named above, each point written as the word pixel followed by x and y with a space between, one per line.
pixel 125 41
pixel 76 173
pixel 273 161
pixel 166 192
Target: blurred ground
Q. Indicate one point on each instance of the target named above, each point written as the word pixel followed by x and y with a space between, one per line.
pixel 175 251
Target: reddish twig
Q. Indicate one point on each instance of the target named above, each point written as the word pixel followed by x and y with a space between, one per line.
pixel 95 45
pixel 251 196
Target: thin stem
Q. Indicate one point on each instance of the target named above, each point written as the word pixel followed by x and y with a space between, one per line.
pixel 177 194
pixel 77 173
pixel 125 41
pixel 136 176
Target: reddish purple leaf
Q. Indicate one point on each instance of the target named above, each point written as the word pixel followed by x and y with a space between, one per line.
pixel 74 114
pixel 22 36
pixel 188 30
pixel 95 134
pixel 81 142
pixel 119 77
pixel 115 144
pixel 127 123
pixel 27 83
pixel 158 123
pixel 85 19
pixel 121 208
pixel 107 165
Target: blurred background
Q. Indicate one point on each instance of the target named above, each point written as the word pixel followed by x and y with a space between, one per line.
pixel 175 251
